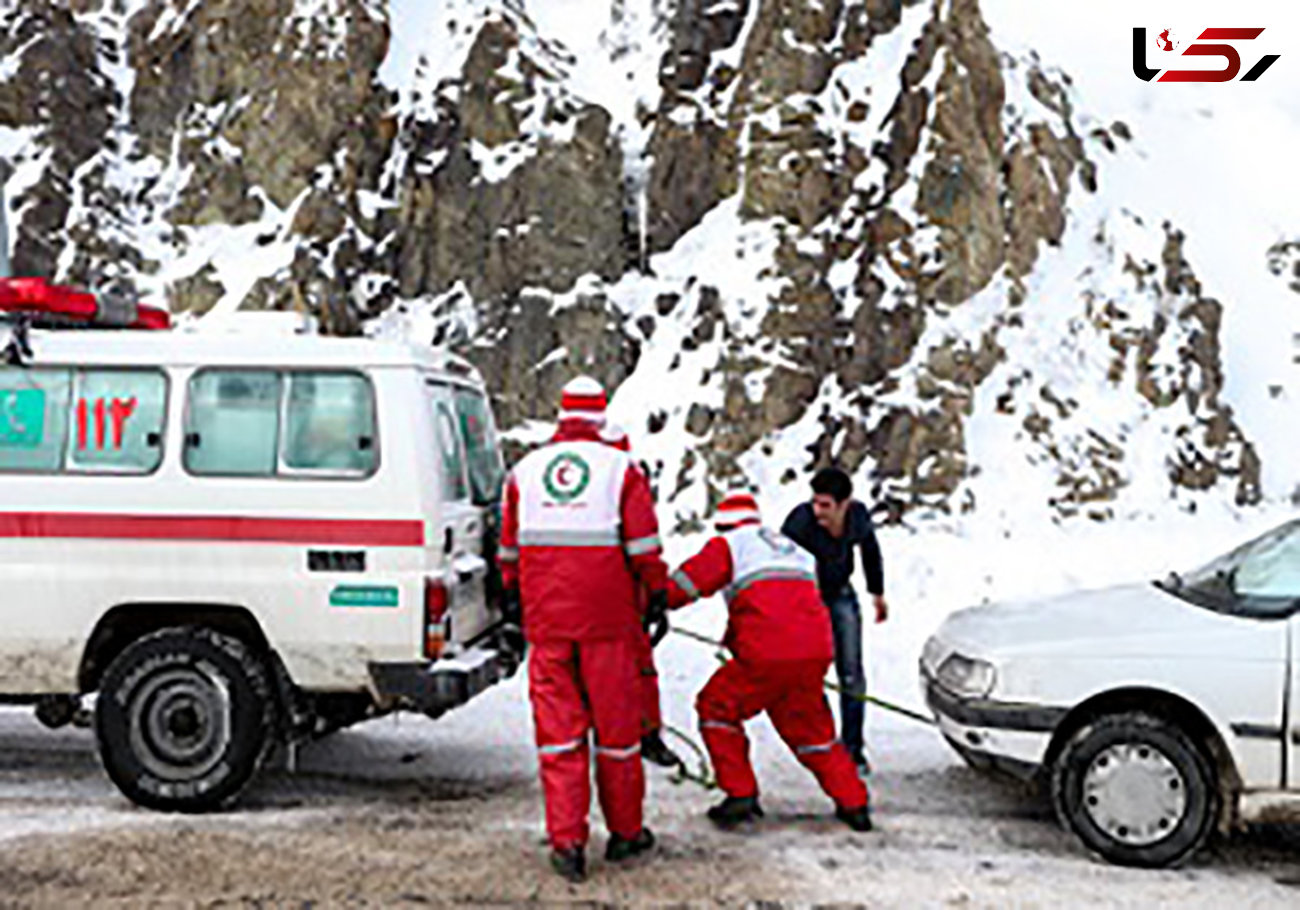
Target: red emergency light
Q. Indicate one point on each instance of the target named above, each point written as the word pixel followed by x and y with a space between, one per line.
pixel 58 303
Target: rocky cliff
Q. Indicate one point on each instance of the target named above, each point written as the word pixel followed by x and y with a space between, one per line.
pixel 839 228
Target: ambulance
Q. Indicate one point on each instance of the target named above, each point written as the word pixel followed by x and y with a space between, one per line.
pixel 235 540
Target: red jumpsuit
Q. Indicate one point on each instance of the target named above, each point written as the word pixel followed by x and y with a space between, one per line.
pixel 780 632
pixel 578 538
pixel 651 718
pixel 648 676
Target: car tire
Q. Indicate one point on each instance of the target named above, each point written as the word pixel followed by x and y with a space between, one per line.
pixel 184 719
pixel 1137 790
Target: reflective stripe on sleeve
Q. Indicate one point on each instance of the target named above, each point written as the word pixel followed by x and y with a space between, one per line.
pixel 643 545
pixel 684 582
pixel 508 554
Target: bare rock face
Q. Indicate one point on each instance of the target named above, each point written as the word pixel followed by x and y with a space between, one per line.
pixel 516 188
pixel 961 185
pixel 59 91
pixel 556 217
pixel 974 199
pixel 200 72
pixel 693 145
pixel 584 338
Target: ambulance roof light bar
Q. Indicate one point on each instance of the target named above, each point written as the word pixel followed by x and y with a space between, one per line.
pixel 38 301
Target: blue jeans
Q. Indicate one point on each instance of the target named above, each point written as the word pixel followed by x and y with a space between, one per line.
pixel 846 626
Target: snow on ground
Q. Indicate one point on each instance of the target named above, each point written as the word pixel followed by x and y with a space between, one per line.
pixel 403 809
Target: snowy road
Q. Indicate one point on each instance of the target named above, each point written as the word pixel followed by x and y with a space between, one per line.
pixel 409 811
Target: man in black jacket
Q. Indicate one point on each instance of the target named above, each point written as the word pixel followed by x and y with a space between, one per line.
pixel 832 527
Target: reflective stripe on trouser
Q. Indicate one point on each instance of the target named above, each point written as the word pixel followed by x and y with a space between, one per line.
pixel 575 687
pixel 791 694
pixel 651 719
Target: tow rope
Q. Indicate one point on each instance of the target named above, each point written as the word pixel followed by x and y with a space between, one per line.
pixel 830 686
pixel 703 776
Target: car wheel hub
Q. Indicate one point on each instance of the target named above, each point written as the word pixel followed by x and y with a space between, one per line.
pixel 1134 793
pixel 178 722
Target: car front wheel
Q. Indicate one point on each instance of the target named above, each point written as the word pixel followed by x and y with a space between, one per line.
pixel 1136 790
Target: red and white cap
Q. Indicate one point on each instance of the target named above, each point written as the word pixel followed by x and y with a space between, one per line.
pixel 583 399
pixel 616 436
pixel 736 509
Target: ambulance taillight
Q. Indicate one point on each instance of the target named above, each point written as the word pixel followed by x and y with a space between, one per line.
pixel 435 618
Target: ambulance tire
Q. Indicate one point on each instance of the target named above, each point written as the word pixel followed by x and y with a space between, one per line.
pixel 184 719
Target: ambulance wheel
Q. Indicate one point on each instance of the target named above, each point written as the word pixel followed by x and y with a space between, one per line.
pixel 1136 790
pixel 184 718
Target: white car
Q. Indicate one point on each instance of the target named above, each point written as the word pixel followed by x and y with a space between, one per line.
pixel 1155 712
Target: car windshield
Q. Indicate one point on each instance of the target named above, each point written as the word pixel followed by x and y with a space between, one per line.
pixel 1259 578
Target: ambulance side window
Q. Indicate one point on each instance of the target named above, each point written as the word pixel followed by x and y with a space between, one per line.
pixel 116 421
pixel 33 418
pixel 486 471
pixel 232 422
pixel 330 424
pixel 454 484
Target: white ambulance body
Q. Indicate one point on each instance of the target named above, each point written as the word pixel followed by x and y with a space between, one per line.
pixel 238 539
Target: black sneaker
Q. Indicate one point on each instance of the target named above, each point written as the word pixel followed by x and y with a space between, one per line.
pixel 858 819
pixel 656 751
pixel 735 810
pixel 570 863
pixel 621 848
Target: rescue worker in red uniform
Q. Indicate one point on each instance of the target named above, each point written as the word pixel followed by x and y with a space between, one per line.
pixel 653 747
pixel 578 538
pixel 780 633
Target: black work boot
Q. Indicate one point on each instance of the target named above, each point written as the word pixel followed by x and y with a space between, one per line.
pixel 735 810
pixel 656 751
pixel 858 819
pixel 570 863
pixel 621 848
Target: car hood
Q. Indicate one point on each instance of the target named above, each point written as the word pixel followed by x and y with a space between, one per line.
pixel 1124 611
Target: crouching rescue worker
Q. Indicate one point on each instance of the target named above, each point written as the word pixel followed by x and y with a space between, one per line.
pixel 653 747
pixel 578 537
pixel 780 635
